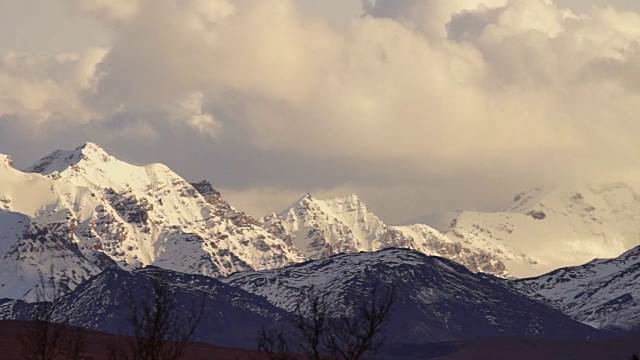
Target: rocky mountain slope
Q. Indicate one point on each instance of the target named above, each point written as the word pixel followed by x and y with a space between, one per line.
pixel 321 228
pixel 437 299
pixel 93 211
pixel 86 211
pixel 548 228
pixel 602 293
pixel 233 316
pixel 36 221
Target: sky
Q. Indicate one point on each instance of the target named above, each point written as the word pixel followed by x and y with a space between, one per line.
pixel 417 106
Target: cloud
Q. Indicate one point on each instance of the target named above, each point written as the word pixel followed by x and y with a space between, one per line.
pixel 414 94
pixel 189 111
pixel 40 88
pixel 428 17
pixel 114 11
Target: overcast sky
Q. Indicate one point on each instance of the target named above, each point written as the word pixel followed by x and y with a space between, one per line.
pixel 418 106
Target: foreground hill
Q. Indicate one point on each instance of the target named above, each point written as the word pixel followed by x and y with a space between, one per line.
pixel 437 299
pixel 233 316
pixel 602 293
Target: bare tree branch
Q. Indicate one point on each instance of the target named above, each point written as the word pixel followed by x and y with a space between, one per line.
pixel 274 345
pixel 44 339
pixel 319 336
pixel 160 330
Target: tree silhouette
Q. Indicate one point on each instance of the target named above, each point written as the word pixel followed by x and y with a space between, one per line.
pixel 313 334
pixel 44 338
pixel 161 330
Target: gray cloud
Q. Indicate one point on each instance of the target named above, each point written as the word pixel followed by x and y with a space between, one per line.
pixel 419 106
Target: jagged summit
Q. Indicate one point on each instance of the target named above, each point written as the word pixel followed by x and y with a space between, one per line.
pixel 321 228
pixel 118 213
pixel 347 203
pixel 206 189
pixel 341 203
pixel 60 160
pixel 89 148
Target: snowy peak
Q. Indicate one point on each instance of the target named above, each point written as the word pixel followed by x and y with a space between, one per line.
pixel 547 228
pixel 60 160
pixel 335 206
pixel 321 228
pixel 526 199
pixel 135 216
pixel 347 203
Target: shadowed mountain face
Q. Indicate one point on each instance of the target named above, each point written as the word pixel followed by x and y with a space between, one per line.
pixel 436 299
pixel 96 219
pixel 233 316
pixel 602 293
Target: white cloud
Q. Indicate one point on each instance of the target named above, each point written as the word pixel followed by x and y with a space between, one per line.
pixel 189 111
pixel 43 88
pixel 520 90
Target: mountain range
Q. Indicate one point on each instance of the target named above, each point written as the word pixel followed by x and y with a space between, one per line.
pixel 92 223
pixel 95 212
pixel 232 317
pixel 602 293
pixel 436 299
pixel 547 228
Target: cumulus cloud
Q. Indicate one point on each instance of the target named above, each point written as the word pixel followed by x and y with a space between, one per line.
pixel 189 111
pixel 39 88
pixel 413 92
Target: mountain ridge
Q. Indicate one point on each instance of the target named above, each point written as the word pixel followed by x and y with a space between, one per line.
pixel 604 293
pixel 131 215
pixel 437 299
pixel 321 228
pixel 549 228
pixel 111 213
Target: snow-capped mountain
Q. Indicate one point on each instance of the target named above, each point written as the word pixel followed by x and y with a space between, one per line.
pixel 437 299
pixel 548 228
pixel 106 211
pixel 321 228
pixel 35 225
pixel 103 303
pixel 602 293
pixel 324 228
